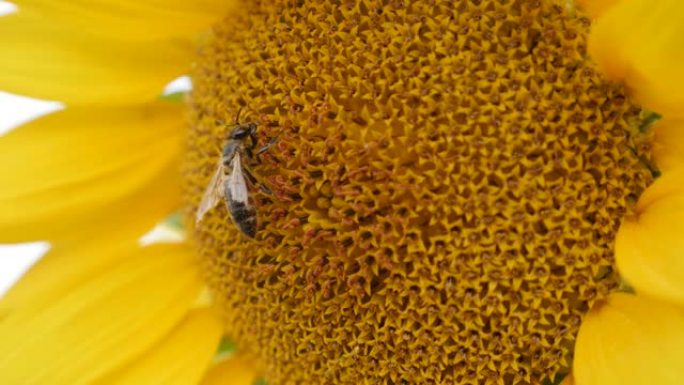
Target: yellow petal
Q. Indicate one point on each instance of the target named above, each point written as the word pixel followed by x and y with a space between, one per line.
pixel 64 268
pixel 90 169
pixel 596 8
pixel 131 20
pixel 630 340
pixel 58 62
pixel 649 248
pixel 639 43
pixel 106 322
pixel 668 144
pixel 236 370
pixel 181 358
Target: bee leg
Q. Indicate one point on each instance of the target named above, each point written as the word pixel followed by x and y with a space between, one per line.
pixel 253 142
pixel 254 182
pixel 248 152
pixel 268 145
pixel 237 116
pixel 253 157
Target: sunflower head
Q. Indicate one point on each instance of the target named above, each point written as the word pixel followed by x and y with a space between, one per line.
pixel 447 182
pixel 442 192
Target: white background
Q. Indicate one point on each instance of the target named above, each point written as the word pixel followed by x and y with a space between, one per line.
pixel 16 110
pixel 15 259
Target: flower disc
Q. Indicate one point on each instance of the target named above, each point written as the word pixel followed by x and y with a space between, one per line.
pixel 447 181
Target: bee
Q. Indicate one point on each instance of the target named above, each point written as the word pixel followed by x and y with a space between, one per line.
pixel 229 182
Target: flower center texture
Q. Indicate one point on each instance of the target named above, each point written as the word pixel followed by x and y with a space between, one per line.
pixel 447 178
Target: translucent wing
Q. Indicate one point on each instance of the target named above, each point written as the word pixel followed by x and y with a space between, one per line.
pixel 212 195
pixel 237 187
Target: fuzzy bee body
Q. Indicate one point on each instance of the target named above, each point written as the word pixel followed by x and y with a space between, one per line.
pixel 229 182
pixel 237 199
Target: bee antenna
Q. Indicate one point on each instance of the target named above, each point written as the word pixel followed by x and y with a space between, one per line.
pixel 237 117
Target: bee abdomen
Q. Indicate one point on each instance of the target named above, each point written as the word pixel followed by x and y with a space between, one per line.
pixel 244 217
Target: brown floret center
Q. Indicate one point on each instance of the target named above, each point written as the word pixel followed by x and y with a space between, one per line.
pixel 447 184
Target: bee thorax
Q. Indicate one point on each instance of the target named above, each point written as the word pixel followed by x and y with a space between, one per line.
pixel 229 151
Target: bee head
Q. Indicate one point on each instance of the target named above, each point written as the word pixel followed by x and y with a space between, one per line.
pixel 242 131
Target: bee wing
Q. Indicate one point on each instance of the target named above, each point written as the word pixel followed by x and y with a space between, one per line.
pixel 236 185
pixel 213 194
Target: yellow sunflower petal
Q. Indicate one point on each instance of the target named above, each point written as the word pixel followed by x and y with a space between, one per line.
pixel 181 358
pixel 104 323
pixel 596 8
pixel 649 247
pixel 86 169
pixel 63 268
pixel 668 144
pixel 639 43
pixel 58 62
pixel 236 370
pixel 630 340
pixel 131 20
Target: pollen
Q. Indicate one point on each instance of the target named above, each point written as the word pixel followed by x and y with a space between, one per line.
pixel 446 182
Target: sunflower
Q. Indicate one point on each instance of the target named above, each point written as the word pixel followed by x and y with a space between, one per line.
pixel 451 192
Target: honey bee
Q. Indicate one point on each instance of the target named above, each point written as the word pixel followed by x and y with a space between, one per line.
pixel 229 182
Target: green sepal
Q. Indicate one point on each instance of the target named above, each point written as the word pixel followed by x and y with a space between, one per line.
pixel 174 97
pixel 649 120
pixel 175 221
pixel 559 378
